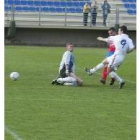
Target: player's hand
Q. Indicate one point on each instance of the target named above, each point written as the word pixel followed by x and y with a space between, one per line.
pixel 99 38
pixel 67 72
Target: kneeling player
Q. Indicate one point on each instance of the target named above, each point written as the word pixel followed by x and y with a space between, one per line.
pixel 67 68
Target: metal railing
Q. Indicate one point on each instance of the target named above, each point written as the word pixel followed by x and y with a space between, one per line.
pixel 60 19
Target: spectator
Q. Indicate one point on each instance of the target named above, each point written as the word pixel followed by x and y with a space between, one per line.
pixel 94 9
pixel 86 9
pixel 106 10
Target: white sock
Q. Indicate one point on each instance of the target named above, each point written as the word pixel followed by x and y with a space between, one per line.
pixel 67 80
pixel 70 84
pixel 98 67
pixel 114 75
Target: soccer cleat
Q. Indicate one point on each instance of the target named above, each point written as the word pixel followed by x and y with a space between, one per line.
pixel 121 85
pixel 60 81
pixel 103 81
pixel 54 82
pixel 112 82
pixel 88 71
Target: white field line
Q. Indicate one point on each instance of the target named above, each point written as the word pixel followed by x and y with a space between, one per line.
pixel 62 100
pixel 13 133
pixel 97 73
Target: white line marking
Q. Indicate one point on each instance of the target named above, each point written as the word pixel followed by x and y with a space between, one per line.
pixel 13 133
pixel 62 100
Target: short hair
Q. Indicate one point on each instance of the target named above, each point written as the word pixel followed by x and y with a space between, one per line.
pixel 124 29
pixel 112 29
pixel 69 43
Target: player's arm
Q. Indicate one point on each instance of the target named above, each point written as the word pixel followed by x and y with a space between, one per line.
pixel 102 39
pixel 67 69
pixel 105 39
pixel 131 49
pixel 67 60
pixel 131 46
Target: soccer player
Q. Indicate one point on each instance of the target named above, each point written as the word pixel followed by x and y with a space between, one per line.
pixel 123 45
pixel 67 69
pixel 111 50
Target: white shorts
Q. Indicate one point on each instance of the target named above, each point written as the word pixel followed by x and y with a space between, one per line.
pixel 115 61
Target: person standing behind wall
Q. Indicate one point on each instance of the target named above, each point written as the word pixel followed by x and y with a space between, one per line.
pixel 106 10
pixel 86 9
pixel 94 8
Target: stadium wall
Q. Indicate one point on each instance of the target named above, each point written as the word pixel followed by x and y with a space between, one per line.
pixel 82 37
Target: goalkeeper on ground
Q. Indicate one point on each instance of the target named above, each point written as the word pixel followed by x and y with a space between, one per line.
pixel 67 69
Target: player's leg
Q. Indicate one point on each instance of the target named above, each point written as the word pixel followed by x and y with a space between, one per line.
pixel 93 70
pixel 96 68
pixel 62 74
pixel 117 78
pixel 104 72
pixel 104 75
pixel 114 62
pixel 64 79
pixel 67 81
pixel 112 81
pixel 113 65
pixel 79 81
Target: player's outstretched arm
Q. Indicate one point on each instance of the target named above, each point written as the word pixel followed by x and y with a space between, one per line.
pixel 101 39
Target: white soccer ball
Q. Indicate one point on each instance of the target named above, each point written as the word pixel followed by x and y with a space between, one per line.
pixel 14 76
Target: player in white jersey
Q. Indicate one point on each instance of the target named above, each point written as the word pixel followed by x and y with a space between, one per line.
pixel 67 69
pixel 123 45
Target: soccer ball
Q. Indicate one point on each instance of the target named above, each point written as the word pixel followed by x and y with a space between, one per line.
pixel 14 76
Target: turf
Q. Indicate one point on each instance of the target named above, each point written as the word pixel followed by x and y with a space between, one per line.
pixel 37 110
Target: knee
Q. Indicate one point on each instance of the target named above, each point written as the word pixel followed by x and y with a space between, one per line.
pixel 80 83
pixel 105 62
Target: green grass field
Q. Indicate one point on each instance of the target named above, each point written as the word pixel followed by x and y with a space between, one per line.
pixel 37 110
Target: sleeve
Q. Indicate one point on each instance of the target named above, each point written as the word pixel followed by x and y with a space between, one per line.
pixel 131 45
pixel 106 40
pixel 109 39
pixel 67 58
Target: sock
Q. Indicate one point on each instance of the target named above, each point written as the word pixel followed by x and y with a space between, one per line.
pixel 115 76
pixel 104 73
pixel 112 79
pixel 67 80
pixel 98 67
pixel 70 84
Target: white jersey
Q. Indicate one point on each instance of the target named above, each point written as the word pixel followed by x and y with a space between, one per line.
pixel 68 59
pixel 122 43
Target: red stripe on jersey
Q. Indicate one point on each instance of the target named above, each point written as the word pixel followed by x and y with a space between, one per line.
pixel 111 47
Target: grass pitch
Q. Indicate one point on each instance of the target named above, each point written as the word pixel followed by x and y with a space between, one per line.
pixel 37 110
